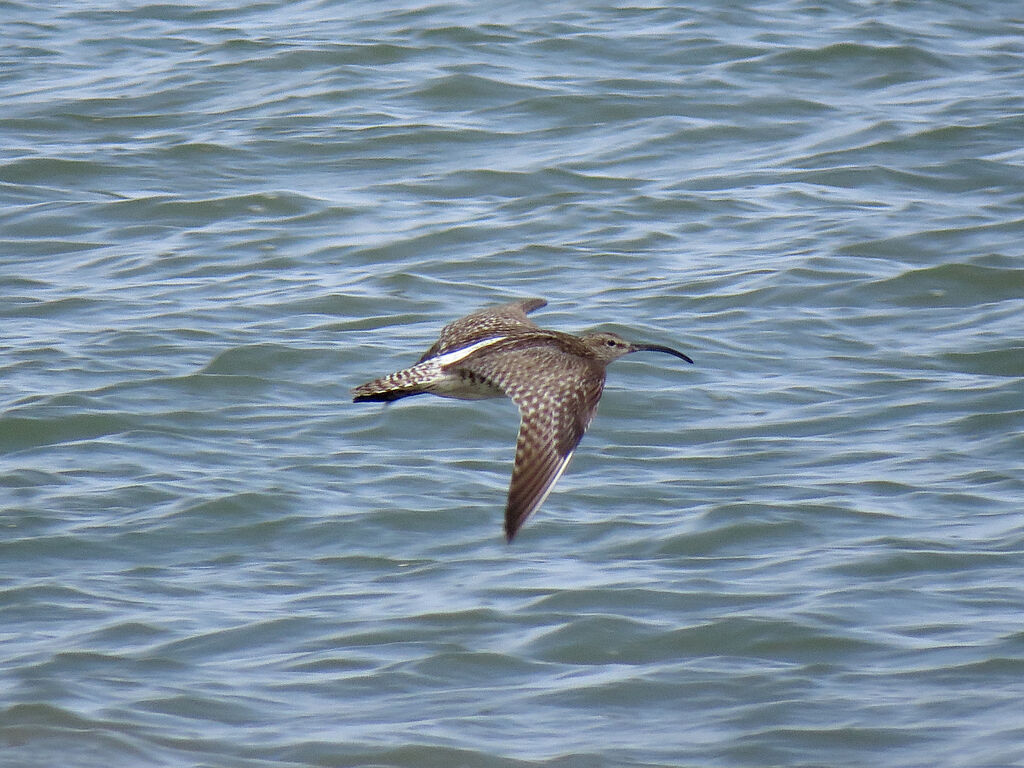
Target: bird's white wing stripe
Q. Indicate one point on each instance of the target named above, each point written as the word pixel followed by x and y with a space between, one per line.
pixel 453 357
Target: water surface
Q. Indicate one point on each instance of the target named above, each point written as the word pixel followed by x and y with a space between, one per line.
pixel 807 549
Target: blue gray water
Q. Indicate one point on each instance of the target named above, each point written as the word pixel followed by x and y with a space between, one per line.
pixel 805 550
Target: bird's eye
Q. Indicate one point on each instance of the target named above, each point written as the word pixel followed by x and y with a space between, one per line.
pixel 610 342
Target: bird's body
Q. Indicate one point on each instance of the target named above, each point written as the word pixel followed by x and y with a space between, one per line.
pixel 555 379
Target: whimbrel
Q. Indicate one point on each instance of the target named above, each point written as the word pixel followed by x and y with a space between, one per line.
pixel 554 378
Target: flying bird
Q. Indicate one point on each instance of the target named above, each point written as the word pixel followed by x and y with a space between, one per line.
pixel 555 379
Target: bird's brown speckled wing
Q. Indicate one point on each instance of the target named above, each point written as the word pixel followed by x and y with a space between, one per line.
pixel 557 395
pixel 484 324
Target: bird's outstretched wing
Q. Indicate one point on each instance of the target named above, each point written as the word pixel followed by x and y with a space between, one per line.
pixel 484 324
pixel 557 395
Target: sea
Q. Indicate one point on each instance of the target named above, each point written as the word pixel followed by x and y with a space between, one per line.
pixel 804 550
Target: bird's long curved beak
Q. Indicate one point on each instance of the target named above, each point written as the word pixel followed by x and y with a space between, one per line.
pixel 659 348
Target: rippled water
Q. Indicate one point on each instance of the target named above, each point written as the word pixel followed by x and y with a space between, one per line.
pixel 805 550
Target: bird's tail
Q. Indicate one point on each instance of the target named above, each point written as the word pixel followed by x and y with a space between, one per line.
pixel 394 386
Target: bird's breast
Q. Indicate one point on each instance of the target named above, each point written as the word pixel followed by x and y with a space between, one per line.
pixel 463 385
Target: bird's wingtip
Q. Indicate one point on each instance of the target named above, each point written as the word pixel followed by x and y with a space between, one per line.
pixel 512 525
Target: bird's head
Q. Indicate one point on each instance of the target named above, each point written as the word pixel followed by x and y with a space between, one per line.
pixel 609 346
